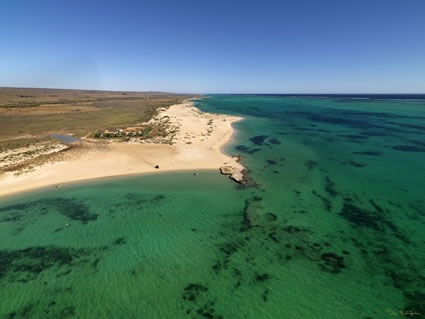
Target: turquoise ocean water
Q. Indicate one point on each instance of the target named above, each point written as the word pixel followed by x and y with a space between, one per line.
pixel 332 224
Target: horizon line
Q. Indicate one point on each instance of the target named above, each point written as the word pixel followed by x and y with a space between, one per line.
pixel 207 93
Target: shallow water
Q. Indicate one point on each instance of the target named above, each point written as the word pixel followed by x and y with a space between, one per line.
pixel 332 225
pixel 67 139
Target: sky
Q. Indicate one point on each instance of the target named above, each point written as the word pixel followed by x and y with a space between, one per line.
pixel 298 46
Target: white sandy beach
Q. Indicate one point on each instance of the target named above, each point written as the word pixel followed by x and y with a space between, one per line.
pixel 197 145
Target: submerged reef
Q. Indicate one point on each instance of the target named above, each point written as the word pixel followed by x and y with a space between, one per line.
pixel 27 264
pixel 258 140
pixel 71 208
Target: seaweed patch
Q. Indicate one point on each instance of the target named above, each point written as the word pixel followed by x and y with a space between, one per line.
pixel 266 295
pixel 326 201
pixel 374 219
pixel 262 277
pixel 420 143
pixel 354 137
pixel 192 291
pixel 330 187
pixel 70 208
pixel 120 241
pixel 310 164
pixel 26 264
pixel 356 164
pixel 258 140
pixel 359 216
pixel 274 141
pixel 332 263
pixel 409 148
pixel 245 149
pixel 368 153
pixel 201 305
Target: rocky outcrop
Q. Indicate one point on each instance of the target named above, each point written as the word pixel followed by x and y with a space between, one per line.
pixel 238 174
pixel 235 170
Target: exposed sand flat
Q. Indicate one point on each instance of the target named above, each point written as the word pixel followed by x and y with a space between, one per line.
pixel 197 144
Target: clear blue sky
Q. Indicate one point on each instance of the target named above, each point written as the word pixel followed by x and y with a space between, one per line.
pixel 298 46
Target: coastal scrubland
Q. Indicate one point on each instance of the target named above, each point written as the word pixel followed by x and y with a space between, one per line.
pixel 27 114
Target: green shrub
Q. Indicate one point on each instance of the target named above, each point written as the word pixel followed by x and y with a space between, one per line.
pixel 147 130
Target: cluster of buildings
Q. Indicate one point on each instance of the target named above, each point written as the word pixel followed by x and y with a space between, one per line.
pixel 127 132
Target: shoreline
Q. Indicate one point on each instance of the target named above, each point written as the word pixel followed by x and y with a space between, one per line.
pixel 95 179
pixel 197 145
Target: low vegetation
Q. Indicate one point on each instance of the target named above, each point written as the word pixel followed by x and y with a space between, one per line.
pixel 35 112
pixel 27 116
